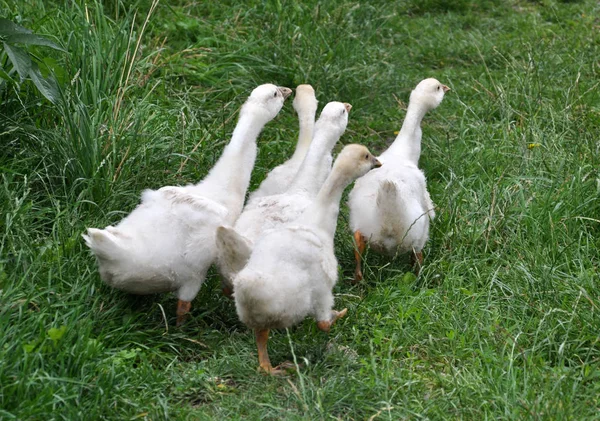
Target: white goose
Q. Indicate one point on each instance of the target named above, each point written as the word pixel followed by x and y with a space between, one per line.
pixel 292 269
pixel 390 208
pixel 280 177
pixel 167 242
pixel 234 245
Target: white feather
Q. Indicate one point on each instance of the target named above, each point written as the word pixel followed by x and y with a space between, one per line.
pixel 270 212
pixel 292 269
pixel 168 242
pixel 280 177
pixel 391 206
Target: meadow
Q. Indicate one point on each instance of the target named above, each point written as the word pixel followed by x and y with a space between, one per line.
pixel 501 323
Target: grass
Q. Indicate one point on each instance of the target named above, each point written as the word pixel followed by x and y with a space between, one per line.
pixel 501 323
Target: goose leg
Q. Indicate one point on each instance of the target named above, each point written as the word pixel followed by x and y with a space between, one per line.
pixel 264 363
pixel 417 260
pixel 227 291
pixel 359 239
pixel 183 308
pixel 262 336
pixel 325 325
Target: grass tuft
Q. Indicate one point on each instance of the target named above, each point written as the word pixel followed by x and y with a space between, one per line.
pixel 502 321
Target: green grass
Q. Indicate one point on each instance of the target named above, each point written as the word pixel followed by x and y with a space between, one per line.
pixel 502 322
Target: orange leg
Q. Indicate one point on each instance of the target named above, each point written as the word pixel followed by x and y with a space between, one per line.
pixel 183 307
pixel 228 292
pixel 262 336
pixel 417 259
pixel 325 325
pixel 264 363
pixel 361 244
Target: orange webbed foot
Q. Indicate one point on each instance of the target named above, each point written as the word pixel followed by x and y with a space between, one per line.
pixel 325 325
pixel 282 369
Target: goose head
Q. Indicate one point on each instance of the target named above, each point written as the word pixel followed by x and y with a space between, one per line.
pixel 429 93
pixel 305 99
pixel 266 101
pixel 355 161
pixel 334 118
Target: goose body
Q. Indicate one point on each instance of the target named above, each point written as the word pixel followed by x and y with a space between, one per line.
pixel 272 211
pixel 394 216
pixel 390 208
pixel 279 178
pixel 292 269
pixel 167 242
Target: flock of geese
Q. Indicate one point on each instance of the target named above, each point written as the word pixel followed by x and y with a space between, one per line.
pixel 276 253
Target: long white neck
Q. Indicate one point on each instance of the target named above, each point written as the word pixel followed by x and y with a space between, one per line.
pixel 408 141
pixel 307 125
pixel 316 165
pixel 323 212
pixel 231 173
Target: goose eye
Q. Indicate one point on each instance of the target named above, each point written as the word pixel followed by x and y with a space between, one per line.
pixel 438 88
pixel 275 93
pixel 343 112
pixel 367 156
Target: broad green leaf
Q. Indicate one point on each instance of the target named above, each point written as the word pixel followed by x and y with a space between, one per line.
pixel 409 278
pixel 56 333
pixel 5 75
pixel 49 65
pixel 8 27
pixel 31 39
pixel 128 354
pixel 47 85
pixel 20 59
pixel 30 346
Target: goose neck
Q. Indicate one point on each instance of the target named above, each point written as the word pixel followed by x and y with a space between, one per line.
pixel 408 141
pixel 305 137
pixel 311 171
pixel 325 208
pixel 231 173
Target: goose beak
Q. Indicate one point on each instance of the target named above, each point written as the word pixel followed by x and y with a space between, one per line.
pixel 284 91
pixel 376 163
pixel 445 88
pixel 347 106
